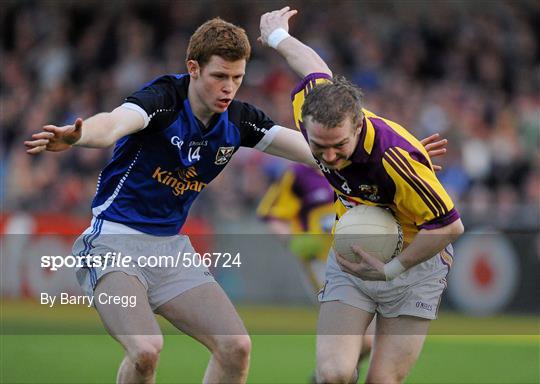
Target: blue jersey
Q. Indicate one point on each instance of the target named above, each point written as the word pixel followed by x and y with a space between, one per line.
pixel 155 174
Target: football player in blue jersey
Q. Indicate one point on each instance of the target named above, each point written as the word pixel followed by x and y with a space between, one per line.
pixel 370 160
pixel 173 136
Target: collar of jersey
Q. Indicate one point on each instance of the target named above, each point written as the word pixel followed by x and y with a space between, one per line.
pixel 194 121
pixel 365 142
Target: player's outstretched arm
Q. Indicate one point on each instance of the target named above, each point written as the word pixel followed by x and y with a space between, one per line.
pixel 290 144
pixel 275 33
pixel 99 131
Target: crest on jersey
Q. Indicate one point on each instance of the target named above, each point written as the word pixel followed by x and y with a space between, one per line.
pixel 224 155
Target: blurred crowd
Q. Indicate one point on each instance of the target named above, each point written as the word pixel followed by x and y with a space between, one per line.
pixel 468 70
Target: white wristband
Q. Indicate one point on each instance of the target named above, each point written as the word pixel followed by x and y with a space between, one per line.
pixel 276 37
pixel 393 269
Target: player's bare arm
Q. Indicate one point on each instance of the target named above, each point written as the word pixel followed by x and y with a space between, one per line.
pixel 301 58
pixel 304 61
pixel 99 131
pixel 424 246
pixel 290 144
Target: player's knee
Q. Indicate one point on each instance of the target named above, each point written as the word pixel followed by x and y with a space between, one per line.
pixel 335 373
pixel 145 354
pixel 239 348
pixel 234 350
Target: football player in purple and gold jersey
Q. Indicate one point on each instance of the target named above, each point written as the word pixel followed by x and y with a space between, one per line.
pixel 300 206
pixel 301 202
pixel 370 160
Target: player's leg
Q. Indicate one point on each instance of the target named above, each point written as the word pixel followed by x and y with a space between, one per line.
pixel 206 313
pixel 134 327
pixel 367 339
pixel 367 342
pixel 340 330
pixel 406 306
pixel 398 343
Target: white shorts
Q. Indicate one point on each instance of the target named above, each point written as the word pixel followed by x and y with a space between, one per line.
pixel 162 282
pixel 416 292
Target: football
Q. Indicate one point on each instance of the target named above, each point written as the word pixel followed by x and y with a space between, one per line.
pixel 374 229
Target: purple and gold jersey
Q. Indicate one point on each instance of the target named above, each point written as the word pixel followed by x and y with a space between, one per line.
pixel 389 168
pixel 301 197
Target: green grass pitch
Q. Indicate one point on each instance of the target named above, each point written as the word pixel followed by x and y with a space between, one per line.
pixel 281 353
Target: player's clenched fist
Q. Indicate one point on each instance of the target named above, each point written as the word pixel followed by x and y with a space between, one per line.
pixel 54 139
pixel 272 21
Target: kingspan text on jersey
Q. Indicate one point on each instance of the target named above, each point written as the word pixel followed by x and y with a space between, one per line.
pixel 178 186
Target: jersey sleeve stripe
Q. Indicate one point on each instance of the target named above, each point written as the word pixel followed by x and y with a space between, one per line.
pixel 268 138
pixel 136 108
pixel 309 78
pixel 443 221
pixel 409 180
pixel 414 178
pixel 434 195
pixel 309 87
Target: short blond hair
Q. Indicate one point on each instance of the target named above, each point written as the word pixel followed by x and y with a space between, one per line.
pixel 331 103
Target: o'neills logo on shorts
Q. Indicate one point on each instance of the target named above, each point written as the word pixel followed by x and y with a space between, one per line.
pixel 178 186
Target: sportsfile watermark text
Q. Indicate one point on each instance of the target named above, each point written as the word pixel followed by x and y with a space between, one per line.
pixel 118 260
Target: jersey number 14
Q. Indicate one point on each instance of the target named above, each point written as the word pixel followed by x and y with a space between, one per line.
pixel 193 154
